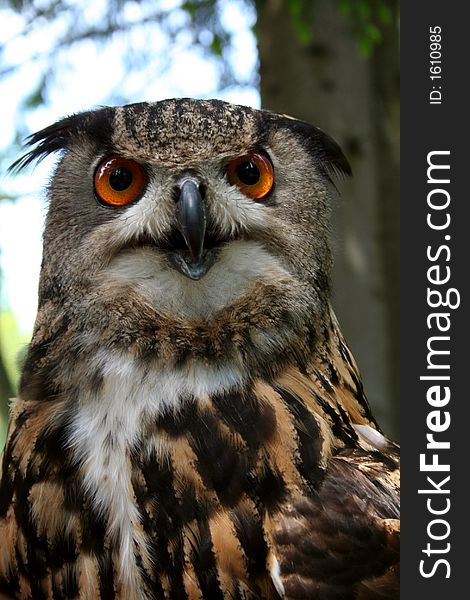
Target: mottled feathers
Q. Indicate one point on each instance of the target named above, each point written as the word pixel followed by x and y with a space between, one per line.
pixel 190 423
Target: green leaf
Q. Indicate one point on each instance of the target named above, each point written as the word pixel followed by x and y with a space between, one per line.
pixel 384 13
pixel 9 197
pixel 12 342
pixel 303 31
pixel 190 8
pixel 300 11
pixel 36 98
pixel 216 46
pixel 365 46
pixel 363 9
pixel 345 7
pixel 372 33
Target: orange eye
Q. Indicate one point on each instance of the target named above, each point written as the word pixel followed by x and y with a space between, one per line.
pixel 119 181
pixel 253 174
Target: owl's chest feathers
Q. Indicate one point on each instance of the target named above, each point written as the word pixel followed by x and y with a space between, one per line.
pixel 162 452
pixel 165 453
pixel 176 471
pixel 136 419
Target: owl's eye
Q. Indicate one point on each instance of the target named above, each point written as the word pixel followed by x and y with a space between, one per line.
pixel 253 174
pixel 119 181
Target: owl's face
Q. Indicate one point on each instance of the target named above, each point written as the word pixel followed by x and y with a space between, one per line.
pixel 190 211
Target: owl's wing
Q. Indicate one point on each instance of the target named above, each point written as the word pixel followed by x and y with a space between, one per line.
pixel 342 542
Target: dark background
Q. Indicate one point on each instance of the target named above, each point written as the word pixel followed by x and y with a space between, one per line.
pixel 426 128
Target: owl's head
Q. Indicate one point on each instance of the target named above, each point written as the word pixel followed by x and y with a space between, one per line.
pixel 189 218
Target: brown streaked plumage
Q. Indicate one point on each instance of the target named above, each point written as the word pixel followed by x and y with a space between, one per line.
pixel 190 423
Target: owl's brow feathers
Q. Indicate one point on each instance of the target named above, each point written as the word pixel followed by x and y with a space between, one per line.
pixel 98 126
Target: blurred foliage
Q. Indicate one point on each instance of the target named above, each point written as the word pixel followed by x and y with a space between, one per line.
pixel 11 343
pixel 201 25
pixel 197 24
pixel 366 16
pixel 150 36
pixel 12 347
pixel 6 392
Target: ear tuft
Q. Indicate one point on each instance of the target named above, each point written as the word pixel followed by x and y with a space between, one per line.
pixel 44 142
pixel 328 154
pixel 56 137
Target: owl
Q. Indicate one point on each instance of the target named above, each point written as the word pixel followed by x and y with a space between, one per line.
pixel 190 423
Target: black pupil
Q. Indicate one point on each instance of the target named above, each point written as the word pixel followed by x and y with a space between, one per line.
pixel 120 179
pixel 248 172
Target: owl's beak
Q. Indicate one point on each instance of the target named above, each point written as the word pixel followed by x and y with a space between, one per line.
pixel 191 217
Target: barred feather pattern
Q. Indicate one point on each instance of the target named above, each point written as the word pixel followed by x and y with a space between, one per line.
pixel 273 487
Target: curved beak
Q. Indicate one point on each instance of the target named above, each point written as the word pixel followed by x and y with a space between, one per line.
pixel 191 217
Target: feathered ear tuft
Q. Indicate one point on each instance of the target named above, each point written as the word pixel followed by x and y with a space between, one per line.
pixel 56 137
pixel 47 141
pixel 329 156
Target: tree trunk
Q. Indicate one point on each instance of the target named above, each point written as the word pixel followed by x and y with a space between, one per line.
pixel 356 100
